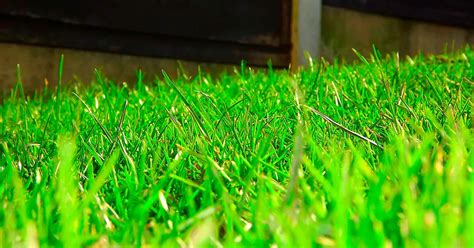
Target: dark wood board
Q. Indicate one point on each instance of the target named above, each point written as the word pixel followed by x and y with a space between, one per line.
pixel 448 12
pixel 212 30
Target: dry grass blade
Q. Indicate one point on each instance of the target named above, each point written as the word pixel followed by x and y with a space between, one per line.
pixel 345 129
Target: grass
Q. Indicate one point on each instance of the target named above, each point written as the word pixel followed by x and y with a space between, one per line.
pixel 377 153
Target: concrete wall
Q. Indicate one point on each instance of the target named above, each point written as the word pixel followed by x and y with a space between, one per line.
pixel 40 63
pixel 344 29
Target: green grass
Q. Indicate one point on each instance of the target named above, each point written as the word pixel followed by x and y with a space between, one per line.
pixel 378 153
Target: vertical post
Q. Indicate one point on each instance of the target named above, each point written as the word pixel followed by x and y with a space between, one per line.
pixel 306 29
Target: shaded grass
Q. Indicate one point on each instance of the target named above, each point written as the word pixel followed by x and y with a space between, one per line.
pixel 246 159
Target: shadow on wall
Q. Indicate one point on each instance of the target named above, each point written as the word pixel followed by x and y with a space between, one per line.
pixel 344 29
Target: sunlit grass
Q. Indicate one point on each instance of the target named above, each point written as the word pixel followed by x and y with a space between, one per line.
pixel 378 153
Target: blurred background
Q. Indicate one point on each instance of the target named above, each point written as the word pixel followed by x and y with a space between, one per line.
pixel 119 37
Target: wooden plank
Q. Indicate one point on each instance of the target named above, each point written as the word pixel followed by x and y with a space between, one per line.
pixel 448 12
pixel 257 22
pixel 57 34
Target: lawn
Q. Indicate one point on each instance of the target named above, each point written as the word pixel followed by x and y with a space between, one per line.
pixel 374 153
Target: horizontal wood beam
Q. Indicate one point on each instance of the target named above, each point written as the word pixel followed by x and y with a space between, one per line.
pixel 452 12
